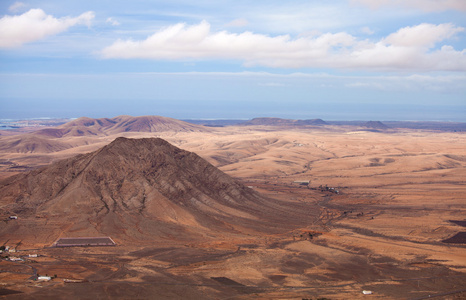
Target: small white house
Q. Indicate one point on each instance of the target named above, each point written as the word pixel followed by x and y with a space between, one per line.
pixel 15 259
pixel 13 217
pixel 44 278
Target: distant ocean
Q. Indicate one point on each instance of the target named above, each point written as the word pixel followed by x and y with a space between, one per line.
pixel 6 124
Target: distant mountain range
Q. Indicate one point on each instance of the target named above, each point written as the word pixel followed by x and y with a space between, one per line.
pixel 283 122
pixel 258 121
pixel 423 125
pixel 47 140
pixel 426 125
pixel 106 126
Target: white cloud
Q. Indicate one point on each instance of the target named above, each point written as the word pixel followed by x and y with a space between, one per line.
pixel 238 23
pixel 423 35
pixel 367 30
pixel 17 6
pixel 34 25
pixel 182 42
pixel 112 21
pixel 425 5
pixel 410 48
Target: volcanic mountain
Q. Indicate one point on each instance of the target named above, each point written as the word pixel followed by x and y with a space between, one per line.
pixel 133 124
pixel 47 140
pixel 141 189
pixel 106 126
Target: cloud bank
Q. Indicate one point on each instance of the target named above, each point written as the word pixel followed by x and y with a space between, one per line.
pixel 35 25
pixel 425 5
pixel 410 48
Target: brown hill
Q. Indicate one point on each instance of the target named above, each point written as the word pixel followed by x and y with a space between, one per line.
pixel 152 124
pixel 80 127
pixel 375 125
pixel 105 126
pixel 135 188
pixel 47 140
pixel 311 122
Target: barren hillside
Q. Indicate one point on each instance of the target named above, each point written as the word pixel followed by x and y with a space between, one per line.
pixel 136 188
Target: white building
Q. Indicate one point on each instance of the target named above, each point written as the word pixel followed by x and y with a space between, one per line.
pixel 12 258
pixel 44 278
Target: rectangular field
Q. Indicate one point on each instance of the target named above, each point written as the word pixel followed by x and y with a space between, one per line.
pixel 84 242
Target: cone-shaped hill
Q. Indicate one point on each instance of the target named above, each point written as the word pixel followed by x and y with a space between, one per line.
pixel 136 189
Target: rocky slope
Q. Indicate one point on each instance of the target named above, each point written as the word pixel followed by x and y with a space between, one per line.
pixel 138 189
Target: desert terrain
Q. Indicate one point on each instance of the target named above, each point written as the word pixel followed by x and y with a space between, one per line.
pixel 313 211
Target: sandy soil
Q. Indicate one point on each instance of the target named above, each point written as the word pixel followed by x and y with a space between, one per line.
pixel 397 194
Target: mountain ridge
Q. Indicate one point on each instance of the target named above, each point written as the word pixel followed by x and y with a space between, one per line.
pixel 47 140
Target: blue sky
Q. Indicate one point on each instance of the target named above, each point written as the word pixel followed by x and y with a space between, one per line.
pixel 335 60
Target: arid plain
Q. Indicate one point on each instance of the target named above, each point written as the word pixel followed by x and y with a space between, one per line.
pixel 374 217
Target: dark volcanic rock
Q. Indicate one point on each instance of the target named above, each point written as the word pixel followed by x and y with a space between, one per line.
pixel 459 238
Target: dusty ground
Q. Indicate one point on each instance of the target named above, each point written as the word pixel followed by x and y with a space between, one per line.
pixel 397 194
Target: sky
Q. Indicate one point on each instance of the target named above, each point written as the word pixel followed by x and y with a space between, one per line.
pixel 306 59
